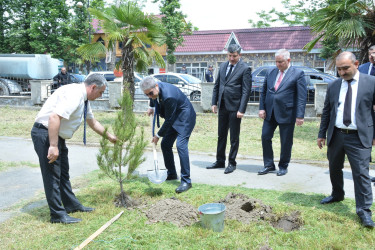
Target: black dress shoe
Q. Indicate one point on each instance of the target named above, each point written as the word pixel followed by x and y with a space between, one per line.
pixel 229 169
pixel 183 187
pixel 266 170
pixel 80 209
pixel 171 177
pixel 330 199
pixel 282 171
pixel 216 165
pixel 367 222
pixel 66 219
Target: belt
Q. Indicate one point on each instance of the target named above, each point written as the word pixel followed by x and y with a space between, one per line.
pixel 39 125
pixel 346 131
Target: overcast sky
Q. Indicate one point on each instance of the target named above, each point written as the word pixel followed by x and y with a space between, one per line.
pixel 218 14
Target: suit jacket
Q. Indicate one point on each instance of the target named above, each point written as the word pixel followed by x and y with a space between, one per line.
pixel 176 109
pixel 364 68
pixel 288 102
pixel 363 111
pixel 236 89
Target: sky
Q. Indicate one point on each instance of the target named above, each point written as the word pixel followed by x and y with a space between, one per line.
pixel 218 14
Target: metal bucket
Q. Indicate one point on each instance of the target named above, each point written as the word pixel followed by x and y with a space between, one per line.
pixel 212 216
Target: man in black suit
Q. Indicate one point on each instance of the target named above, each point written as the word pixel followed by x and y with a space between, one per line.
pixel 348 121
pixel 230 96
pixel 179 115
pixel 282 103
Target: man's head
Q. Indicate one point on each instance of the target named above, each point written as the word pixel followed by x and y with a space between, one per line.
pixel 210 68
pixel 234 53
pixel 95 86
pixel 149 86
pixel 63 70
pixel 346 65
pixel 371 54
pixel 282 58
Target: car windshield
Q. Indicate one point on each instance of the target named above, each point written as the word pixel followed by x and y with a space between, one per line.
pixel 191 79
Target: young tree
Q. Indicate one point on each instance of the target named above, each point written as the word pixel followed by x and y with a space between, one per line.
pixel 174 26
pixel 137 33
pixel 126 152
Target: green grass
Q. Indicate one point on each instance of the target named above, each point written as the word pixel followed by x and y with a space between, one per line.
pixel 325 226
pixel 18 123
pixel 4 165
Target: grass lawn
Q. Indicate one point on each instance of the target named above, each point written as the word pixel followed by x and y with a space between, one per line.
pixel 18 123
pixel 325 227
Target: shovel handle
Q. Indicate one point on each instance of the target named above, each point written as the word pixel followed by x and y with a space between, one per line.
pixel 153 144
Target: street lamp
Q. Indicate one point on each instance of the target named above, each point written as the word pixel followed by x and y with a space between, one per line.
pixel 80 5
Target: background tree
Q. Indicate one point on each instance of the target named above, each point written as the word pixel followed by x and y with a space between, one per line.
pixel 136 31
pixel 175 26
pixel 126 152
pixel 5 12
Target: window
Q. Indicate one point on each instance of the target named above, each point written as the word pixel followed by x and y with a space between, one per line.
pixel 162 78
pixel 173 79
pixel 263 72
pixel 196 69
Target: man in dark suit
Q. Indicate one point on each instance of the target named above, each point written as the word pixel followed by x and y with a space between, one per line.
pixel 369 67
pixel 230 96
pixel 179 115
pixel 348 122
pixel 282 103
pixel 210 74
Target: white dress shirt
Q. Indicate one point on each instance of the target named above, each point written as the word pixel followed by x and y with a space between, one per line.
pixel 68 102
pixel 340 109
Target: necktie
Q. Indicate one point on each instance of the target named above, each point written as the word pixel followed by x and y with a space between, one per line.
pixel 279 80
pixel 229 72
pixel 372 72
pixel 156 116
pixel 84 122
pixel 348 105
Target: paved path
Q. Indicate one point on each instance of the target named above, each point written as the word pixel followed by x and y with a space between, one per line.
pixel 22 183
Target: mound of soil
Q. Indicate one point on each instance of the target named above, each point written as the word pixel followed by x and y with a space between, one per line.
pixel 174 211
pixel 289 222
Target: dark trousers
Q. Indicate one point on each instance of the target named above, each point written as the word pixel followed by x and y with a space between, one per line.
pixel 228 121
pixel 286 140
pixel 359 158
pixel 56 181
pixel 183 153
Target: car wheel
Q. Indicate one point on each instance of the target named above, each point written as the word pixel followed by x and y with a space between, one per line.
pixel 3 89
pixel 195 96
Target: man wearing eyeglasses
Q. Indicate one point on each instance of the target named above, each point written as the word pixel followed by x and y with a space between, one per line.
pixel 179 120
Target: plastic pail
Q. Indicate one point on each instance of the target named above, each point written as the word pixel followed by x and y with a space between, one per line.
pixel 212 216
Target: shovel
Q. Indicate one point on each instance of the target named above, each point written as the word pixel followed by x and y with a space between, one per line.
pixel 156 175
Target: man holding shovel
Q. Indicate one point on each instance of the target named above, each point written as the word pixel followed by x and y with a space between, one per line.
pixel 179 120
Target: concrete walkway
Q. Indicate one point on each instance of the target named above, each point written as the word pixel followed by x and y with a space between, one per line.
pixel 17 184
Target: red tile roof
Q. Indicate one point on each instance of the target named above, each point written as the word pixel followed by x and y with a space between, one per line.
pixel 274 38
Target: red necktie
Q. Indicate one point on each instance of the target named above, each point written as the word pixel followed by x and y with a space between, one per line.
pixel 279 80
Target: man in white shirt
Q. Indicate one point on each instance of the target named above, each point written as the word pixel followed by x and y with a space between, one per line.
pixel 59 118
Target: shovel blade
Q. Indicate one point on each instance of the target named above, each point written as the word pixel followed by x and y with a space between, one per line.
pixel 157 176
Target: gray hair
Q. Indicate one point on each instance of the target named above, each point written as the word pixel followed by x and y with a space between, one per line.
pixel 147 83
pixel 346 55
pixel 284 53
pixel 371 47
pixel 96 79
pixel 234 48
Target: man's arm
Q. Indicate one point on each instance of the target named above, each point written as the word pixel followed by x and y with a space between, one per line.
pixel 215 92
pixel 53 135
pixel 99 129
pixel 301 98
pixel 246 90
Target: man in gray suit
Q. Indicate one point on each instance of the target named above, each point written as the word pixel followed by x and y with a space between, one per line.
pixel 348 121
pixel 282 103
pixel 230 96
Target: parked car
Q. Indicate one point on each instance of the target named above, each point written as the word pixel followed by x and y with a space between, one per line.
pixel 189 85
pixel 108 75
pixel 9 87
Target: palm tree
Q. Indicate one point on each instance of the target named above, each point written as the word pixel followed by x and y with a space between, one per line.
pixel 137 32
pixel 351 22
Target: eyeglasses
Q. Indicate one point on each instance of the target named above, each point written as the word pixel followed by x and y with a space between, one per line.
pixel 150 94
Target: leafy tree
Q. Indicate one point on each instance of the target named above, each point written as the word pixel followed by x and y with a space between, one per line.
pixel 351 22
pixel 174 26
pixel 5 7
pixel 126 152
pixel 137 33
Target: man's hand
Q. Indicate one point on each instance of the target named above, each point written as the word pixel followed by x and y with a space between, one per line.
pixel 299 121
pixel 214 109
pixel 111 138
pixel 155 140
pixel 239 114
pixel 262 114
pixel 321 142
pixel 53 153
pixel 150 112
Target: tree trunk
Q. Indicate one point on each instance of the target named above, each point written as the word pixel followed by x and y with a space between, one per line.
pixel 112 64
pixel 128 67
